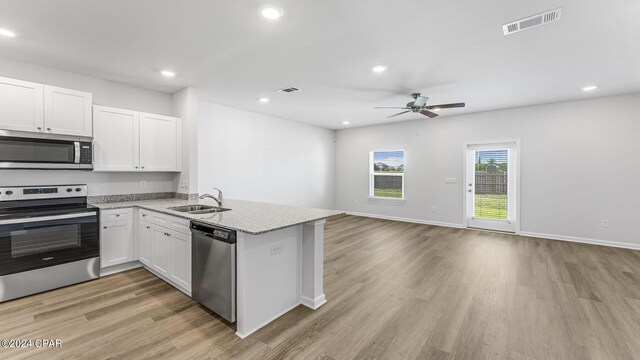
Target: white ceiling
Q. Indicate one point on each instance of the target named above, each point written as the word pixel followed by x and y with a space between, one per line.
pixel 449 50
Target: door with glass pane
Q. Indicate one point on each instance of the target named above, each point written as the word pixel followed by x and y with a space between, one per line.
pixel 490 186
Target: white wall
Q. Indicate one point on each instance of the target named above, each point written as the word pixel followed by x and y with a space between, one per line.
pixel 106 93
pixel 185 104
pixel 263 158
pixel 579 165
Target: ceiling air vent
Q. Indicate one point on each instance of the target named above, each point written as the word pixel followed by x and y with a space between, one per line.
pixel 288 90
pixel 532 21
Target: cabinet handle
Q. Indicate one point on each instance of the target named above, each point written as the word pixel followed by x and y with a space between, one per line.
pixel 117 215
pixel 39 128
pixel 136 167
pixel 144 215
pixel 48 129
pixel 104 227
pixel 148 227
pixel 143 167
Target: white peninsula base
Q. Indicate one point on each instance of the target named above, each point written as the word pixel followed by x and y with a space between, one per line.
pixel 277 271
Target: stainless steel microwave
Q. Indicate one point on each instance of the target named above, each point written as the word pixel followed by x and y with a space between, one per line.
pixel 45 152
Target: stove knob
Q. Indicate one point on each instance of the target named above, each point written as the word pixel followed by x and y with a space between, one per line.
pixel 78 189
pixel 69 190
pixel 9 192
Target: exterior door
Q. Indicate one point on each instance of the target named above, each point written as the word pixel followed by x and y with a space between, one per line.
pixel 491 186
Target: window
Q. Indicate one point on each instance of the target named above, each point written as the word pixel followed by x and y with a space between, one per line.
pixel 386 174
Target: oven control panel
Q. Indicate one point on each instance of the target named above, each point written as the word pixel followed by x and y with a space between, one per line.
pixel 42 192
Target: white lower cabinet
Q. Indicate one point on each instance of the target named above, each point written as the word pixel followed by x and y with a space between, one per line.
pixel 162 243
pixel 160 260
pixel 165 247
pixel 116 239
pixel 145 233
pixel 181 259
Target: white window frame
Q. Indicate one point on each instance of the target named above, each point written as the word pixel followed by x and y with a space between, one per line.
pixel 373 173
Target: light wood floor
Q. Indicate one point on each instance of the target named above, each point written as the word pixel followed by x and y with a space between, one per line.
pixel 395 291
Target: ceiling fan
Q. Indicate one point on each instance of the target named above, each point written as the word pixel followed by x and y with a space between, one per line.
pixel 419 105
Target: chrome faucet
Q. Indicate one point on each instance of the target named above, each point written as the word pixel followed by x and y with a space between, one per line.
pixel 218 199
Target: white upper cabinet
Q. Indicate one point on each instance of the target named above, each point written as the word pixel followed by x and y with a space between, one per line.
pixel 126 140
pixel 159 143
pixel 116 141
pixel 67 112
pixel 26 106
pixel 21 105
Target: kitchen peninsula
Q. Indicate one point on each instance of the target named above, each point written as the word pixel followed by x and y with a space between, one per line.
pixel 279 256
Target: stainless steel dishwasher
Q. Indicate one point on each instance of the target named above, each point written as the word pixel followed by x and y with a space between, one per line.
pixel 213 268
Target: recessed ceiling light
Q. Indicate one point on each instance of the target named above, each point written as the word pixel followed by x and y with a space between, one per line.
pixel 379 68
pixel 589 88
pixel 7 33
pixel 271 12
pixel 263 100
pixel 346 122
pixel 167 73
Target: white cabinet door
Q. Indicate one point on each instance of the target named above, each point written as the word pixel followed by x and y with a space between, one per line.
pixel 159 143
pixel 146 243
pixel 67 112
pixel 116 243
pixel 181 259
pixel 161 247
pixel 21 105
pixel 116 139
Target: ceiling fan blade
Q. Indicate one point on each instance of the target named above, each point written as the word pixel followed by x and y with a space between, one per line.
pixel 428 113
pixel 446 106
pixel 400 113
pixel 389 107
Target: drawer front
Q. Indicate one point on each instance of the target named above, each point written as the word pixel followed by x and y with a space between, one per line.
pixel 116 215
pixel 167 221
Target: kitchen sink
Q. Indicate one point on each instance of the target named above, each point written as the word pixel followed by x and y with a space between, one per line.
pixel 198 209
pixel 209 211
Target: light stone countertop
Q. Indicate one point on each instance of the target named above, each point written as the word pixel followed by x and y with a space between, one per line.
pixel 245 216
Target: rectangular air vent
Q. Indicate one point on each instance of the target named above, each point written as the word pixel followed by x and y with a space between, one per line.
pixel 288 90
pixel 532 21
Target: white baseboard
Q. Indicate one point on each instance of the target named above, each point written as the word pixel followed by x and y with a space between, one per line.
pixel 313 304
pixel 416 221
pixel 581 240
pixel 522 233
pixel 119 268
pixel 256 328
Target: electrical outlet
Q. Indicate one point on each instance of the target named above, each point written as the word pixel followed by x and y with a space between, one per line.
pixel 275 249
pixel 433 209
pixel 143 184
pixel 355 202
pixel 604 223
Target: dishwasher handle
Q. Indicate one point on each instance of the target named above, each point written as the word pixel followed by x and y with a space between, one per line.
pixel 214 232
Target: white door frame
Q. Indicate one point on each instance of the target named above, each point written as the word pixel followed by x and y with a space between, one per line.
pixel 465 147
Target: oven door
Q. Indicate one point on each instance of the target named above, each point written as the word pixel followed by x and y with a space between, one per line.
pixel 37 153
pixel 37 242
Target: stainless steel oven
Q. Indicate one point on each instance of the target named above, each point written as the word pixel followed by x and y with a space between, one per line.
pixel 49 238
pixel 19 150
